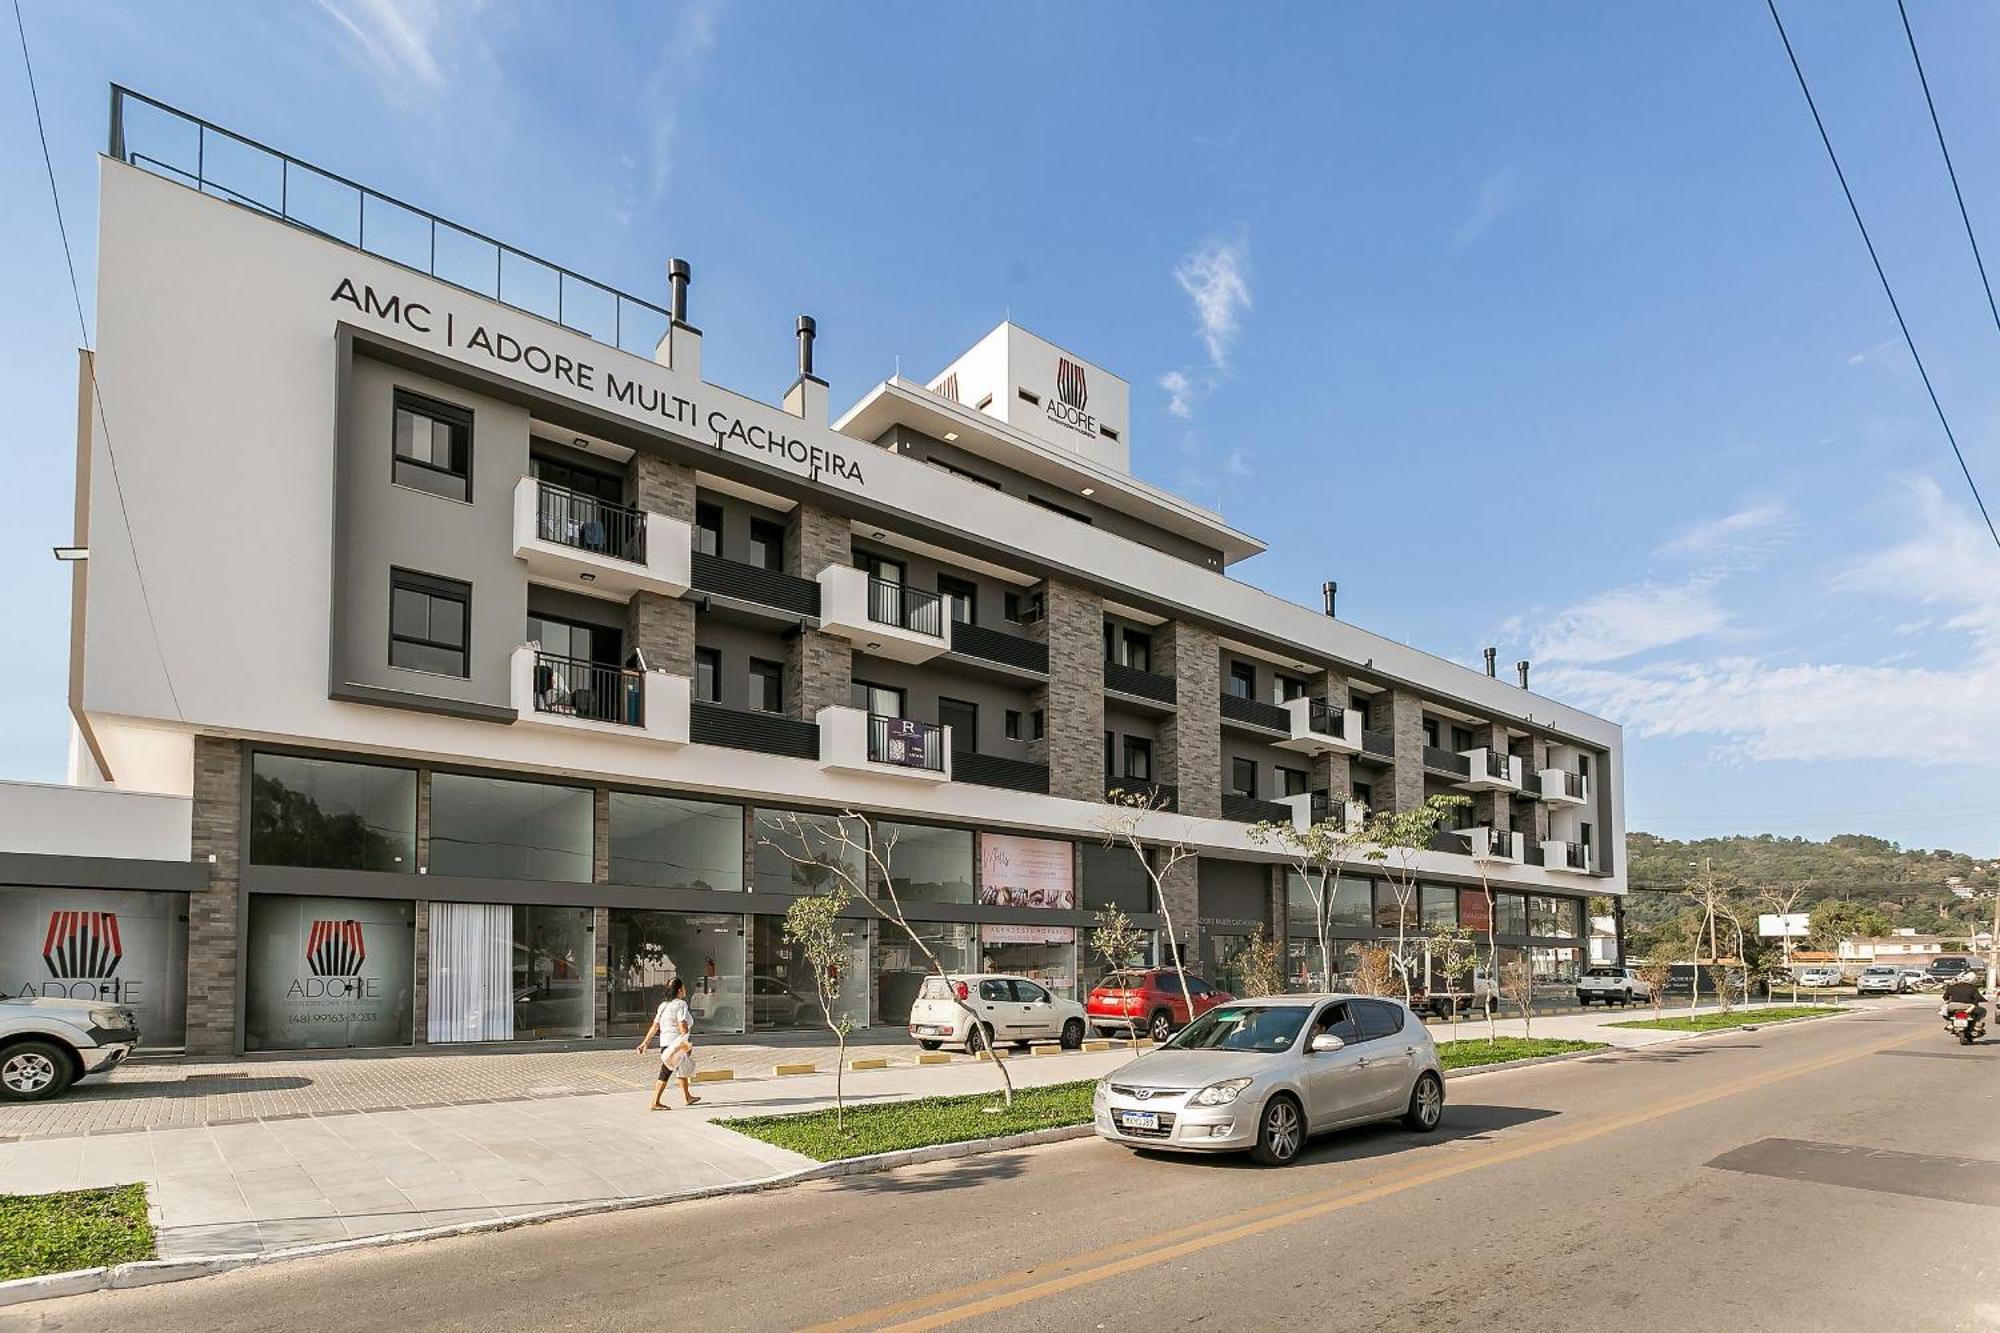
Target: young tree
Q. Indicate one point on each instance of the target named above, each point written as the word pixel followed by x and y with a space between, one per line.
pixel 1657 971
pixel 1451 953
pixel 1398 839
pixel 841 851
pixel 1711 900
pixel 1136 820
pixel 812 924
pixel 1517 983
pixel 1374 970
pixel 1263 967
pixel 1318 854
pixel 1783 902
pixel 1117 941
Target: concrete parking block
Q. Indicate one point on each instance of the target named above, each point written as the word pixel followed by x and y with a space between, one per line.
pixel 871 1062
pixel 933 1058
pixel 714 1075
pixel 786 1070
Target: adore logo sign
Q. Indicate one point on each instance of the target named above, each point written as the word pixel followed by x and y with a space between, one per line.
pixel 335 949
pixel 1072 396
pixel 82 945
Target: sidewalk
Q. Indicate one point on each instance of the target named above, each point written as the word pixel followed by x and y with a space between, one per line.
pixel 575 1131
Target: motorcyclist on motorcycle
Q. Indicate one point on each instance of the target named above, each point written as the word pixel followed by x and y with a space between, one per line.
pixel 1965 991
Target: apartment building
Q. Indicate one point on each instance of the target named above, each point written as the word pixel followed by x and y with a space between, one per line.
pixel 487 667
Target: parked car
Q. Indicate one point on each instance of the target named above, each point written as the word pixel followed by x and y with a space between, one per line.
pixel 1879 980
pixel 1480 994
pixel 48 1044
pixel 1010 1011
pixel 1611 985
pixel 1949 967
pixel 1261 1076
pixel 1149 1000
pixel 1915 978
pixel 1820 978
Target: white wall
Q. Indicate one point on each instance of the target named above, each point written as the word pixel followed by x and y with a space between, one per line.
pixel 51 819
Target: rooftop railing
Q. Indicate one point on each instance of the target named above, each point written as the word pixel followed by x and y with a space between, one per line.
pixel 225 165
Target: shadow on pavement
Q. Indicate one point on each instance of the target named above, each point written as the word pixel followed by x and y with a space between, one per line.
pixel 963 1173
pixel 1463 1121
pixel 194 1085
pixel 1668 1055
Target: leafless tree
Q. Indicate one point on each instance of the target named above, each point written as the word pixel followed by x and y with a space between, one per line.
pixel 1318 854
pixel 1656 973
pixel 1398 839
pixel 1517 983
pixel 1783 902
pixel 1139 820
pixel 1117 941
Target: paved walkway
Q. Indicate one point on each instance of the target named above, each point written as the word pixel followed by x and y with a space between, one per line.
pixel 575 1130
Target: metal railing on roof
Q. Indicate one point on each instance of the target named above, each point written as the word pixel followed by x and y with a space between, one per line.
pixel 170 143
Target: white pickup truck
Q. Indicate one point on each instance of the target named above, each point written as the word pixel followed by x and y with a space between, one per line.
pixel 1482 995
pixel 1611 985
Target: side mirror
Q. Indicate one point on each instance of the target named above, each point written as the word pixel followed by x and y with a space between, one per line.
pixel 1324 1043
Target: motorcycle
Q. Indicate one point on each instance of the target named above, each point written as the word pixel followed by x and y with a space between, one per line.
pixel 1959 1022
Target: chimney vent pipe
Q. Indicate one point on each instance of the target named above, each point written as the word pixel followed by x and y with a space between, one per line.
pixel 1492 654
pixel 1522 667
pixel 808 327
pixel 678 276
pixel 1328 591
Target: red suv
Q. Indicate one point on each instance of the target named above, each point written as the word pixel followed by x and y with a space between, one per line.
pixel 1150 1001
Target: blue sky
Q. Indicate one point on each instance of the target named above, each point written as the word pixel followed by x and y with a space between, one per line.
pixel 1537 325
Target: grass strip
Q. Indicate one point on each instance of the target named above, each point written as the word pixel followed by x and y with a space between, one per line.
pixel 878 1127
pixel 1471 1052
pixel 56 1233
pixel 1736 1018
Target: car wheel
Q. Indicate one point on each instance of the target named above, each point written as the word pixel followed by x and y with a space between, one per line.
pixel 930 1045
pixel 1281 1132
pixel 1161 1027
pixel 1072 1035
pixel 1426 1104
pixel 33 1070
pixel 978 1038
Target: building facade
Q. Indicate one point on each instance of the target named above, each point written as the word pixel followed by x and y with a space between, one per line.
pixel 503 668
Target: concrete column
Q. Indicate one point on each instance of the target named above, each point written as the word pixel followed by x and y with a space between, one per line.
pixel 1072 702
pixel 1493 807
pixel 662 628
pixel 214 926
pixel 600 836
pixel 420 991
pixel 1404 787
pixel 819 668
pixel 1181 888
pixel 661 487
pixel 1189 749
pixel 600 971
pixel 1332 773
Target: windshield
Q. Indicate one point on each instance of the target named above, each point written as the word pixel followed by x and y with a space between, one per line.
pixel 1881 971
pixel 1242 1028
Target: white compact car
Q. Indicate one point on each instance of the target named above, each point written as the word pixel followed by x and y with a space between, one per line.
pixel 1880 980
pixel 1008 1011
pixel 48 1044
pixel 1819 978
pixel 1612 985
pixel 1261 1076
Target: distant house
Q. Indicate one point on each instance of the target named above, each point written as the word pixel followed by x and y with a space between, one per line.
pixel 1907 948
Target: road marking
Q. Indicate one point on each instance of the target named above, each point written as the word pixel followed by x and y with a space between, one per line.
pixel 992 1295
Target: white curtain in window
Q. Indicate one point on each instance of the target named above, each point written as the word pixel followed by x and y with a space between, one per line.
pixel 471 957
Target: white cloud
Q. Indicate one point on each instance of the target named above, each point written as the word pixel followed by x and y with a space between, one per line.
pixel 1495 197
pixel 398 39
pixel 1215 276
pixel 1949 561
pixel 680 66
pixel 1181 392
pixel 1748 531
pixel 1627 621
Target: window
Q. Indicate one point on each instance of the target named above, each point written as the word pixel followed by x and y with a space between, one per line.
pixel 1026 397
pixel 983 403
pixel 1377 1019
pixel 1128 647
pixel 498 828
pixel 1139 758
pixel 1012 724
pixel 767 544
pixel 1431 732
pixel 767 686
pixel 708 675
pixel 664 842
pixel 879 566
pixel 332 815
pixel 961 599
pixel 578 642
pixel 1037 724
pixel 433 446
pixel 1242 680
pixel 927 864
pixel 708 529
pixel 428 623
pixel 1338 1019
pixel 1107 432
pixel 1364 792
pixel 876 700
pixel 1022 608
pixel 805 853
pixel 1510 914
pixel 1027 992
pixel 607 486
pixel 1583 765
pixel 1438 904
pixel 1461 738
pixel 1359 703
pixel 994 990
pixel 1113 877
pixel 1292 781
pixel 963 719
pixel 1284 689
pixel 1243 777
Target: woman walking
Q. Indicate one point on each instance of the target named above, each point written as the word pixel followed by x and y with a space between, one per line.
pixel 674 1021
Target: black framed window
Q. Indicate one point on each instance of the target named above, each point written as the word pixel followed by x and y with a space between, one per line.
pixel 1359 703
pixel 1284 689
pixel 708 528
pixel 575 640
pixel 1583 765
pixel 875 700
pixel 1292 781
pixel 1243 680
pixel 1364 792
pixel 433 446
pixel 767 686
pixel 1139 758
pixel 606 486
pixel 1037 724
pixel 429 623
pixel 961 599
pixel 1021 608
pixel 767 544
pixel 708 675
pixel 1138 650
pixel 1013 724
pixel 1110 754
pixel 1243 777
pixel 963 719
pixel 1461 738
pixel 1431 732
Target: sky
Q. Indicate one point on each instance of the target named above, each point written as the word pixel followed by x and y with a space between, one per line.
pixel 1536 325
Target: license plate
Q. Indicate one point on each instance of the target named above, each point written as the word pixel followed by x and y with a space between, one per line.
pixel 928 1029
pixel 1139 1119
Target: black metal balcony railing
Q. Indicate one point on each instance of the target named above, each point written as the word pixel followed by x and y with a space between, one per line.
pixel 1498 844
pixel 753 583
pixel 1572 784
pixel 992 770
pixel 1573 854
pixel 1499 765
pixel 169 142
pixel 1160 795
pixel 1325 807
pixel 1254 810
pixel 905 743
pixel 589 690
pixel 1256 712
pixel 1379 742
pixel 1137 681
pixel 571 518
pixel 752 729
pixel 1322 719
pixel 905 607
pixel 995 645
pixel 1447 761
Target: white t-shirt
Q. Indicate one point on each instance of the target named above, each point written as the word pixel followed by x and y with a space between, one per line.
pixel 670 1015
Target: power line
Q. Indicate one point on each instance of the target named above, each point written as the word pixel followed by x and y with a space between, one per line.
pixel 1887 290
pixel 1924 81
pixel 96 393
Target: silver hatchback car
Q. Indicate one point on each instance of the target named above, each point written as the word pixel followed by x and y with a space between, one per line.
pixel 1261 1076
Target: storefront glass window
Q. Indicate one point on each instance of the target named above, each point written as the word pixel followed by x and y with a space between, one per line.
pixel 665 842
pixel 649 949
pixel 120 947
pixel 804 853
pixel 1554 918
pixel 1440 905
pixel 1095 966
pixel 327 972
pixel 1222 960
pixel 331 814
pixel 1113 877
pixel 900 967
pixel 1026 872
pixel 551 972
pixel 497 828
pixel 1046 954
pixel 1392 901
pixel 1510 913
pixel 783 991
pixel 928 865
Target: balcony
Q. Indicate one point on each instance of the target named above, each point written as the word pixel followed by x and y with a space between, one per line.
pixel 992 770
pixel 1448 762
pixel 1313 727
pixel 1379 744
pixel 891 620
pixel 1487 770
pixel 1243 809
pixel 1255 713
pixel 752 729
pixel 1160 795
pixel 1489 844
pixel 737 582
pixel 993 645
pixel 856 741
pixel 1138 683
pixel 1571 858
pixel 593 546
pixel 1559 786
pixel 591 696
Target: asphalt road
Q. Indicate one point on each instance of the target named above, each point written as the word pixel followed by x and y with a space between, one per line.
pixel 1838 1174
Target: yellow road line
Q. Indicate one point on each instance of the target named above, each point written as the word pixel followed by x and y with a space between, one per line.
pixel 992 1295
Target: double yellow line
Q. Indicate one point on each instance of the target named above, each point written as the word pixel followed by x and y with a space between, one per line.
pixel 1008 1290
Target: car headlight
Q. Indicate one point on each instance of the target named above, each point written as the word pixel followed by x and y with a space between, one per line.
pixel 109 1018
pixel 1102 1090
pixel 1220 1094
